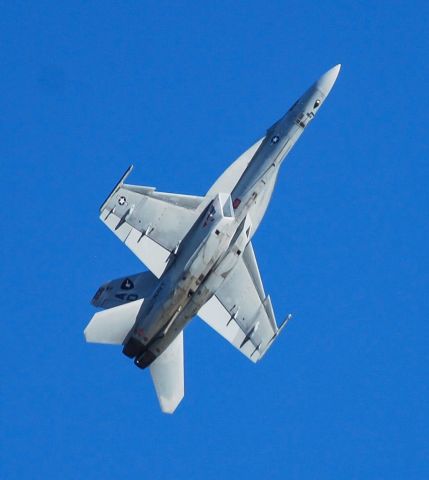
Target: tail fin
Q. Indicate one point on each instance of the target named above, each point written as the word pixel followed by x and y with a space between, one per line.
pixel 112 325
pixel 124 290
pixel 168 376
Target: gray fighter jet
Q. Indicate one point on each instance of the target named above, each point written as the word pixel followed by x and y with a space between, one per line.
pixel 200 257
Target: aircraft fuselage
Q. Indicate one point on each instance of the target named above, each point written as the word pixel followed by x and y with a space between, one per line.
pixel 213 245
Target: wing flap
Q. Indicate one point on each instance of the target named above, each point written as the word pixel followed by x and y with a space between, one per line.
pixel 252 266
pixel 151 253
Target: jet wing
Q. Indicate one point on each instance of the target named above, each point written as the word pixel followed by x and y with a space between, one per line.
pixel 168 375
pixel 150 223
pixel 241 312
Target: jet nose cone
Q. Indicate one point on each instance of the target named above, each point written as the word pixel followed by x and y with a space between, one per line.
pixel 327 80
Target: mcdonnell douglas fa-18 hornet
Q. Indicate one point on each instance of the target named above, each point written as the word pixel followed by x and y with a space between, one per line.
pixel 200 258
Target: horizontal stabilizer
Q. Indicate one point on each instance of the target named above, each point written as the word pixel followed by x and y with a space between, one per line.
pixel 125 290
pixel 112 326
pixel 168 376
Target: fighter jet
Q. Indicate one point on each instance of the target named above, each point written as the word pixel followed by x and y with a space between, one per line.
pixel 200 258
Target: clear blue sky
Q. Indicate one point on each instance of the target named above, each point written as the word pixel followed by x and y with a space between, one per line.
pixel 180 89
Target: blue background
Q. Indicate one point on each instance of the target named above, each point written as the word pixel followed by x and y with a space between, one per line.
pixel 180 90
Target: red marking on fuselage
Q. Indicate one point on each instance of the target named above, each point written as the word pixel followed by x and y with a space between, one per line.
pixel 236 203
pixel 140 332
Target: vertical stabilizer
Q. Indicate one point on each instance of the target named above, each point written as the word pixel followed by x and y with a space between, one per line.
pixel 168 376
